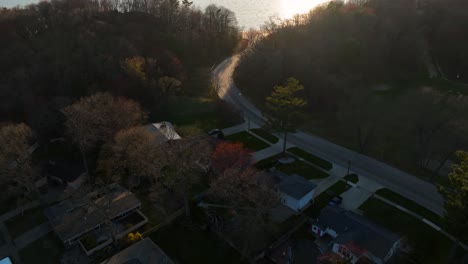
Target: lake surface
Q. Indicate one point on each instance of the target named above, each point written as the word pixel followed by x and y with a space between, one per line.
pixel 250 13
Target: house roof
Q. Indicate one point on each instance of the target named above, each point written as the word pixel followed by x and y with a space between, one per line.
pixel 356 229
pixel 164 131
pixel 70 219
pixel 296 186
pixel 142 252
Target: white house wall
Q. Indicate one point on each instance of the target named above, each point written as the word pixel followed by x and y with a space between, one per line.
pixel 290 201
pixel 305 200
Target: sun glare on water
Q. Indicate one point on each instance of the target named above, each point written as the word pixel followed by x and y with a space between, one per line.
pixel 291 7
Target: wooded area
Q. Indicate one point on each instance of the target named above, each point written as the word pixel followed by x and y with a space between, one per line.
pixel 54 52
pixel 364 66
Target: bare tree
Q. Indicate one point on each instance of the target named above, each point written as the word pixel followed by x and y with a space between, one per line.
pixel 16 173
pixel 131 158
pixel 251 193
pixel 95 119
pixel 183 162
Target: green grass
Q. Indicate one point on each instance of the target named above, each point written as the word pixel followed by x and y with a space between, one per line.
pixel 297 167
pixel 354 178
pixel 191 245
pixel 21 223
pixel 339 187
pixel 248 140
pixel 410 205
pixel 303 169
pixel 48 248
pixel 311 158
pixel 323 199
pixel 268 162
pixel 265 135
pixel 429 246
pixel 200 113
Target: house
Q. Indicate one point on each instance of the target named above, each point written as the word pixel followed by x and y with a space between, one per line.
pixel 93 220
pixel 142 252
pixel 354 237
pixel 164 131
pixel 296 191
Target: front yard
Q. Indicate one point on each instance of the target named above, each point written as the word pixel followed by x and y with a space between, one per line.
pixel 248 140
pixel 429 246
pixel 189 244
pixel 311 158
pixel 303 169
pixel 297 167
pixel 410 205
pixel 21 223
pixel 48 249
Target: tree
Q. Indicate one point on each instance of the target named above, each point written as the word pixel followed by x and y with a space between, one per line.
pixel 16 174
pixel 251 193
pixel 131 158
pixel 95 119
pixel 169 85
pixel 229 155
pixel 456 203
pixel 183 162
pixel 283 108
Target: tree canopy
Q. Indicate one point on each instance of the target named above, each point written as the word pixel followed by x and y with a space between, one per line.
pixel 456 204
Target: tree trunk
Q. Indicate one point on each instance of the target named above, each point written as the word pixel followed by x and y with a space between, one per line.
pixel 187 207
pixel 284 143
pixel 85 162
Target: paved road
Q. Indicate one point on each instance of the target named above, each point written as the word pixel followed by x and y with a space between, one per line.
pixel 408 185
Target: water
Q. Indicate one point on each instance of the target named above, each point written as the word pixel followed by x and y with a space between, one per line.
pixel 250 13
pixel 253 13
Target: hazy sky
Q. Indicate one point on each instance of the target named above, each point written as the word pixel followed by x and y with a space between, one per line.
pixel 250 13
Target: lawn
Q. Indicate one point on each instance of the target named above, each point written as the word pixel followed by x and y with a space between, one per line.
pixel 265 135
pixel 268 162
pixel 200 113
pixel 21 223
pixel 48 248
pixel 410 205
pixel 324 198
pixel 429 246
pixel 354 178
pixel 248 140
pixel 311 158
pixel 303 169
pixel 186 244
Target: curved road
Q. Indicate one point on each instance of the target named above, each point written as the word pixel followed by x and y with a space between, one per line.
pixel 405 184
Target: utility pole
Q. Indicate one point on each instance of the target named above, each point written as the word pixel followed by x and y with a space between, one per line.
pixel 349 167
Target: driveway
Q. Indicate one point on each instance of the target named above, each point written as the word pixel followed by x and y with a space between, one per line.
pixel 354 197
pixel 407 185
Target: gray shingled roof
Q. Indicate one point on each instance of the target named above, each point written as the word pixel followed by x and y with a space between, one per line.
pixel 163 131
pixel 143 252
pixel 296 186
pixel 70 219
pixel 356 229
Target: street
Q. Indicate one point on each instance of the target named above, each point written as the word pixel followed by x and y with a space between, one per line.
pixel 407 185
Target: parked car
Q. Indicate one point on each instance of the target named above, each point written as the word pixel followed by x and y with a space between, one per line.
pixel 336 200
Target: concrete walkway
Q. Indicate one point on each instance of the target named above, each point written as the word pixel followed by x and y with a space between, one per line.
pixel 18 210
pixel 9 249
